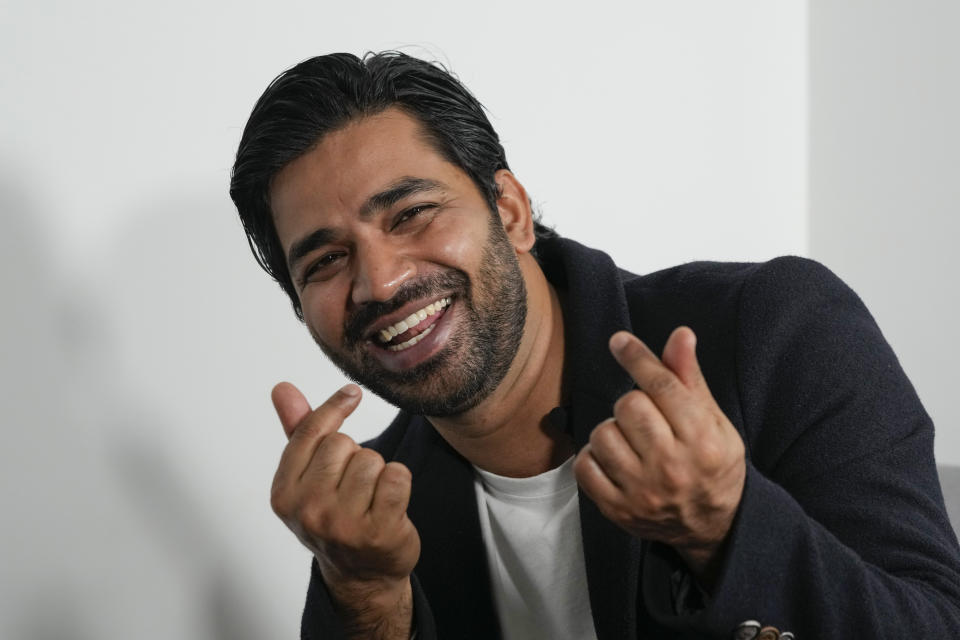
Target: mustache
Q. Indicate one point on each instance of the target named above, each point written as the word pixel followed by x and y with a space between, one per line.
pixel 357 322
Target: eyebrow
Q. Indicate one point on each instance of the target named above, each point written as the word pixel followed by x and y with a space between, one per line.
pixel 379 201
pixel 396 192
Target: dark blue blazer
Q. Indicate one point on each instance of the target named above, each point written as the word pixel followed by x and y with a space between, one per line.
pixel 841 531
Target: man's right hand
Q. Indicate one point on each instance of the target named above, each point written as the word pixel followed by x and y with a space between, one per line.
pixel 350 509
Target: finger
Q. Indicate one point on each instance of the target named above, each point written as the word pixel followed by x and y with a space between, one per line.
pixel 392 493
pixel 619 462
pixel 642 423
pixel 643 365
pixel 290 404
pixel 329 416
pixel 680 356
pixel 695 411
pixel 653 377
pixel 355 491
pixel 330 458
pixel 316 426
pixel 592 479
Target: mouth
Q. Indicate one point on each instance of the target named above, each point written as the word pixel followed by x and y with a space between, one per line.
pixel 414 328
pixel 415 338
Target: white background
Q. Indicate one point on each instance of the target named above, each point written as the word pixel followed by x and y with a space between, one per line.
pixel 140 340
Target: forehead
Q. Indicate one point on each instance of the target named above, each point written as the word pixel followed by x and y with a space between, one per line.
pixel 336 176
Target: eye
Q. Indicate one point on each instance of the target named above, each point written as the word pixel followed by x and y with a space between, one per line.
pixel 318 269
pixel 411 213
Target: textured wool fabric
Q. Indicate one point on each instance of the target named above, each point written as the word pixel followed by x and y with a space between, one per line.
pixel 841 531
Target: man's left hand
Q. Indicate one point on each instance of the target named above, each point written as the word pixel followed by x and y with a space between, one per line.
pixel 668 466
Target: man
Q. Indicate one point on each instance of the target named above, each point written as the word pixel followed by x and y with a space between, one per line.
pixel 549 475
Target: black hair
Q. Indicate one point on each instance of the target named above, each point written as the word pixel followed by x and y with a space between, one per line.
pixel 325 93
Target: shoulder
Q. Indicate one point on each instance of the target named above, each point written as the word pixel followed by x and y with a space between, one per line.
pixel 744 289
pixel 714 290
pixel 708 275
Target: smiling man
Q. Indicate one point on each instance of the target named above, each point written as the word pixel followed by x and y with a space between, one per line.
pixel 549 475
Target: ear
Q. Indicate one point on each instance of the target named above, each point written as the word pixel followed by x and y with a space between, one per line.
pixel 513 204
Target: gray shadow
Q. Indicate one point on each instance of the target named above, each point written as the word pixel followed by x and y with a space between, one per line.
pixel 36 601
pixel 168 269
pixel 76 473
pixel 178 523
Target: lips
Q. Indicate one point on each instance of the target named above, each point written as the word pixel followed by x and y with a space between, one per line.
pixel 407 332
pixel 420 342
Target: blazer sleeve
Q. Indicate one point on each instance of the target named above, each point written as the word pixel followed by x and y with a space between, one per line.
pixel 841 530
pixel 321 622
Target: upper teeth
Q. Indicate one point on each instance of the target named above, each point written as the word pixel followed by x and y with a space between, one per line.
pixel 413 319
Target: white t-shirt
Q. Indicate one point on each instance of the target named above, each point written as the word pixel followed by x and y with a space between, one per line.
pixel 531 529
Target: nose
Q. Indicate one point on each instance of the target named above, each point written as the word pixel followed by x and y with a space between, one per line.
pixel 379 270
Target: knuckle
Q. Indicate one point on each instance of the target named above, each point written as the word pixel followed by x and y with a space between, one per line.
pixel 711 453
pixel 632 403
pixel 314 520
pixel 309 427
pixel 674 476
pixel 344 529
pixel 580 463
pixel 368 459
pixel 380 540
pixel 643 501
pixel 396 475
pixel 399 471
pixel 338 445
pixel 280 502
pixel 738 451
pixel 660 382
pixel 603 436
pixel 651 501
pixel 586 470
pixel 340 440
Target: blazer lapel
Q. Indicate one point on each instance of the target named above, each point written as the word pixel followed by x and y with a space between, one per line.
pixel 443 506
pixel 595 308
pixel 612 556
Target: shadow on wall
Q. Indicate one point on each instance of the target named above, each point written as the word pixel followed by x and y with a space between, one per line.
pixel 179 523
pixel 101 537
pixel 40 597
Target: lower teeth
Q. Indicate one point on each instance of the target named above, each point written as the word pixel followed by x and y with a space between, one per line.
pixel 412 341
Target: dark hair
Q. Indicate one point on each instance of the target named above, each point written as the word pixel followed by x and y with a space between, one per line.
pixel 323 94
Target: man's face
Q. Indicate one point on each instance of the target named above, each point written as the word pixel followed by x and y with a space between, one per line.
pixel 407 280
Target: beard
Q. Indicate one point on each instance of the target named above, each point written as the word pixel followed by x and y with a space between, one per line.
pixel 478 353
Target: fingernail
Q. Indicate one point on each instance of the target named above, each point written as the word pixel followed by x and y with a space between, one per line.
pixel 350 390
pixel 618 342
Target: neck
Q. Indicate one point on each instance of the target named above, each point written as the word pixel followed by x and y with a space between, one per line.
pixel 508 433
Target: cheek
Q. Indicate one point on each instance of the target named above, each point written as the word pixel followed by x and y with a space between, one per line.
pixel 323 317
pixel 460 243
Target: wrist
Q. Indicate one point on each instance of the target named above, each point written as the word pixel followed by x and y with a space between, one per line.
pixel 704 561
pixel 374 609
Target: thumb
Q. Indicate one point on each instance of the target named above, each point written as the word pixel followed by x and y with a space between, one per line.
pixel 680 356
pixel 292 407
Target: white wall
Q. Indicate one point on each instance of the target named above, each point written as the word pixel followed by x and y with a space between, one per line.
pixel 139 338
pixel 885 178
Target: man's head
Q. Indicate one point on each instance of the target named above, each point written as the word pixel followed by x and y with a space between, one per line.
pixel 377 194
pixel 325 93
